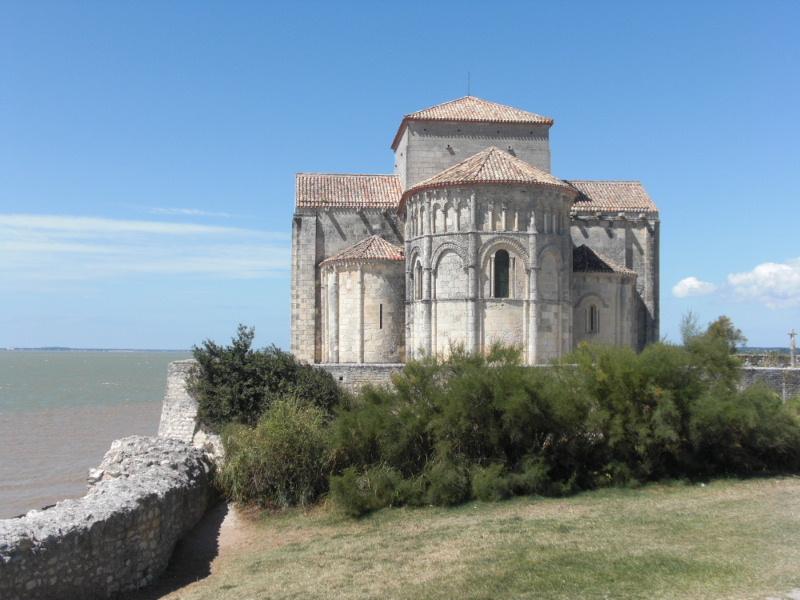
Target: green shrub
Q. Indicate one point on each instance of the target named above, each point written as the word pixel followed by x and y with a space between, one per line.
pixel 448 482
pixel 359 493
pixel 491 483
pixel 236 384
pixel 488 427
pixel 282 461
pixel 533 477
pixel 745 433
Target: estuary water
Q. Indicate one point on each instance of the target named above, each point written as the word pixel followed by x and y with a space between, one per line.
pixel 60 411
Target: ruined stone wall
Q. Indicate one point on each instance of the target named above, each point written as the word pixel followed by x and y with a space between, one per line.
pixel 179 409
pixel 148 492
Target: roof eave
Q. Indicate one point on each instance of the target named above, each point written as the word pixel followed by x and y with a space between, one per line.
pixel 440 186
pixel 334 260
pixel 406 120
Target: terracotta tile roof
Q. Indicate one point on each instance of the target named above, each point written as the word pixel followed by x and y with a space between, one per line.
pixel 492 165
pixel 320 190
pixel 472 110
pixel 611 196
pixel 586 260
pixel 373 248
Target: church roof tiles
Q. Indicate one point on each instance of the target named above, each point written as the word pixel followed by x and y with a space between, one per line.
pixel 492 165
pixel 373 248
pixel 471 109
pixel 322 190
pixel 611 196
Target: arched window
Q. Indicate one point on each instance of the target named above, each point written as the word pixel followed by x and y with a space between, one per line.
pixel 418 282
pixel 592 320
pixel 501 262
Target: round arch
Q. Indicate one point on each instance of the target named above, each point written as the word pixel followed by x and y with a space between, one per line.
pixel 511 245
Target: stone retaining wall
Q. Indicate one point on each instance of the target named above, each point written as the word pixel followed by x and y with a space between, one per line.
pixel 785 381
pixel 145 495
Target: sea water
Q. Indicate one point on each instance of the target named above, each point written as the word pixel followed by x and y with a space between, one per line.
pixel 60 411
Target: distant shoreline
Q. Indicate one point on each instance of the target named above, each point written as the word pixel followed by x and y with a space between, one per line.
pixel 66 349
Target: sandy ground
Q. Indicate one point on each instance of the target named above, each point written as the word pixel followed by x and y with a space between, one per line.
pixel 221 531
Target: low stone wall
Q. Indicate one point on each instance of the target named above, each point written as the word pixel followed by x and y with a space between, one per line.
pixel 145 495
pixel 353 376
pixel 772 359
pixel 785 381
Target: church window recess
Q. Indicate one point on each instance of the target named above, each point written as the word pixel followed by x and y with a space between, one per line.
pixel 501 272
pixel 418 282
pixel 380 316
pixel 592 319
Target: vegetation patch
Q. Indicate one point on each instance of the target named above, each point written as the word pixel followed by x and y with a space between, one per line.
pixel 237 384
pixel 487 427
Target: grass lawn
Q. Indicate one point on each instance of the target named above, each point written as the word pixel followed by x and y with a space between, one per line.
pixel 727 539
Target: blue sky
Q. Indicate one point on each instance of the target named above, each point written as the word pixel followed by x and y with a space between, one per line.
pixel 148 149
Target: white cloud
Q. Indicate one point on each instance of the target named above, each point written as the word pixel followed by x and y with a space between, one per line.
pixel 99 226
pixel 777 285
pixel 60 248
pixel 692 286
pixel 187 212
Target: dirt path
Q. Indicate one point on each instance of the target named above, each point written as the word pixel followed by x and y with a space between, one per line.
pixel 221 531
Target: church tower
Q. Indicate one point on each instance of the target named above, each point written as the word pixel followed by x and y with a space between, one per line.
pixel 436 138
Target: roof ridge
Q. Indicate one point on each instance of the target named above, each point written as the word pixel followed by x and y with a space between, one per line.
pixel 485 159
pixel 408 115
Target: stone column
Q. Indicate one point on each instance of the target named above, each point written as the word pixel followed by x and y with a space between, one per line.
pixel 651 282
pixel 360 315
pixel 566 287
pixel 472 279
pixel 427 333
pixel 323 309
pixel 533 291
pixel 333 318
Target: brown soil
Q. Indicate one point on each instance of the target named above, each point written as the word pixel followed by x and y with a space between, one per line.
pixel 222 530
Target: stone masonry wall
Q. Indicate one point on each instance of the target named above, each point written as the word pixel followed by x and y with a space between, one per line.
pixel 772 359
pixel 784 381
pixel 179 409
pixel 148 493
pixel 631 242
pixel 430 147
pixel 353 377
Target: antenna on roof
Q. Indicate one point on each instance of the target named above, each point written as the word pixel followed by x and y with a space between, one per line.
pixel 467 83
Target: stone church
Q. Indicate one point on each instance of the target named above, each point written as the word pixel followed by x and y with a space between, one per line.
pixel 472 240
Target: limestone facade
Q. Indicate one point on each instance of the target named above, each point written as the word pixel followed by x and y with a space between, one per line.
pixel 472 241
